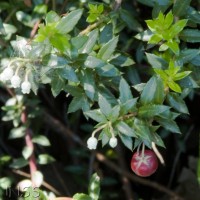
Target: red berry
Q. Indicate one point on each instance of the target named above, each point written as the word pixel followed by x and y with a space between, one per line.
pixel 144 165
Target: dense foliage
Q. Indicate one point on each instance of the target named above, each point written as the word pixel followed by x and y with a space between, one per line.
pixel 78 73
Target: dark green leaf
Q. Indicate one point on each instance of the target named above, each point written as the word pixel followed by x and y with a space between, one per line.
pixel 122 61
pixel 193 15
pixel 168 124
pixel 108 49
pixel 127 141
pixel 190 35
pixel 92 38
pixel 125 129
pixel 149 111
pixel 106 34
pixel 67 23
pixel 129 106
pixel 93 62
pixel 114 114
pixel 156 61
pixel 125 92
pixel 96 115
pixel 104 105
pixel 79 41
pixel 19 163
pixel 176 102
pixel 153 92
pixel 79 103
pixel 180 7
pixel 128 18
pixel 108 70
pixel 68 73
pixel 187 55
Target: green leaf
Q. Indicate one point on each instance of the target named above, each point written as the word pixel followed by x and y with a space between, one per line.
pixel 108 70
pixel 180 7
pixel 125 129
pixel 156 61
pixel 67 23
pixel 74 90
pixel 130 21
pixel 193 15
pixel 94 187
pixel 155 39
pixel 106 34
pixel 122 60
pixel 57 84
pixel 81 196
pixel 129 106
pixel 177 27
pixel 190 35
pixel 96 115
pixel 5 183
pixel 108 49
pixel 88 82
pixel 173 45
pixel 168 20
pixel 44 159
pixel 17 132
pixel 89 45
pixel 93 62
pixel 114 114
pixel 68 73
pixel 26 152
pixel 125 92
pixel 187 55
pixel 181 75
pixel 79 103
pixel 41 140
pixel 168 124
pixel 142 129
pixel 127 141
pixel 176 102
pixel 149 111
pixel 18 163
pixel 174 86
pixel 79 41
pixel 153 92
pixel 144 36
pixel 104 105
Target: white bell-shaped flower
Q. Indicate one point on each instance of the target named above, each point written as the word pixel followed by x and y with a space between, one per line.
pixel 15 81
pixel 26 87
pixel 92 143
pixel 7 73
pixel 113 142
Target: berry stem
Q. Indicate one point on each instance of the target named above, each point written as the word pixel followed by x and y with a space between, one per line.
pixel 98 129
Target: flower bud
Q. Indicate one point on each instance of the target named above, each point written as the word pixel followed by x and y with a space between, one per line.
pixel 7 73
pixel 15 81
pixel 92 143
pixel 26 87
pixel 113 142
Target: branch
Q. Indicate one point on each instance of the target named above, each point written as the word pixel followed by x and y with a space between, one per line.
pixel 65 131
pixel 117 4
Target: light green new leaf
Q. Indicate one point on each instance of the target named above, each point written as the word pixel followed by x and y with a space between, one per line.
pixel 52 17
pixel 96 115
pixel 176 102
pixel 41 140
pixel 173 45
pixel 108 49
pixel 177 27
pixel 125 129
pixel 174 86
pixel 181 75
pixel 81 196
pixel 94 187
pixel 168 20
pixel 149 111
pixel 67 23
pixel 125 92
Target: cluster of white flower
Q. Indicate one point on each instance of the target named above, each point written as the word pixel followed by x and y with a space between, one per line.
pixel 15 80
pixel 92 142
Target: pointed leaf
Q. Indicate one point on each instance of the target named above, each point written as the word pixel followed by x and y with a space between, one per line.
pixel 125 92
pixel 125 129
pixel 96 115
pixel 108 49
pixel 153 92
pixel 104 105
pixel 68 22
pixel 127 141
pixel 156 61
pixel 176 102
pixel 180 7
pixel 149 111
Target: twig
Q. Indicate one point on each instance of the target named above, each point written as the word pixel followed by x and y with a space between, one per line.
pixel 45 184
pixel 35 28
pixel 65 131
pixel 90 27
